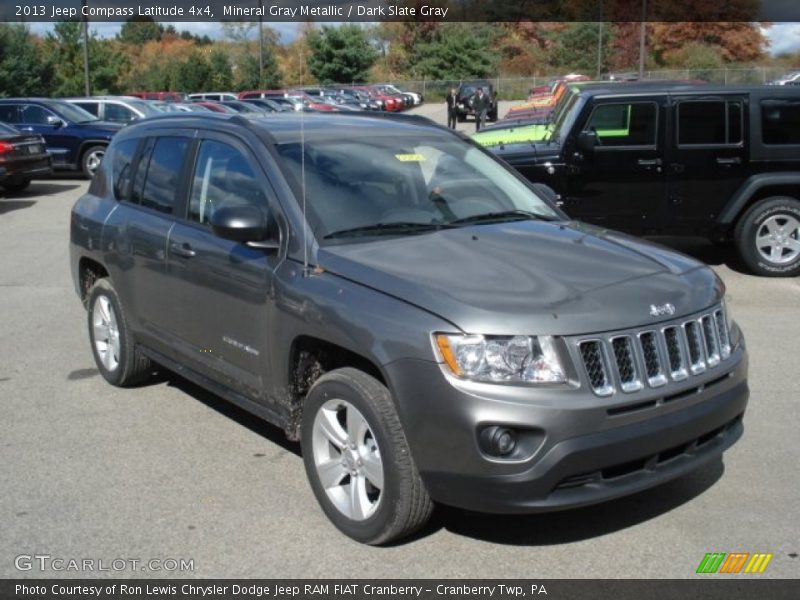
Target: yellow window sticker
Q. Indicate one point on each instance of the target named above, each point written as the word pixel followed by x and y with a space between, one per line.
pixel 409 157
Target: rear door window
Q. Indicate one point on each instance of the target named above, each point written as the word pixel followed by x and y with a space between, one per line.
pixel 780 121
pixel 162 173
pixel 709 123
pixel 90 107
pixel 121 167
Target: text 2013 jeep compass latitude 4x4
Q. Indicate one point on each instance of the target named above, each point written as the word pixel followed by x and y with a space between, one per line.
pixel 432 330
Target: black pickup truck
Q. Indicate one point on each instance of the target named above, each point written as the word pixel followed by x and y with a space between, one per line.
pixel 722 162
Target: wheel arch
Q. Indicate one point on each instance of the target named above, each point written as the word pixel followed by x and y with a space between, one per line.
pixel 89 271
pixel 755 189
pixel 86 144
pixel 311 357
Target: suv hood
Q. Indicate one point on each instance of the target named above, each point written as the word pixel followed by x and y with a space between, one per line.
pixel 529 277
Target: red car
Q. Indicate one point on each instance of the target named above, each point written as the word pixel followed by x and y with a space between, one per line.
pixel 390 103
pixel 162 96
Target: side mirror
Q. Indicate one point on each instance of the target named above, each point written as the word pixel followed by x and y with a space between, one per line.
pixel 55 122
pixel 245 224
pixel 587 140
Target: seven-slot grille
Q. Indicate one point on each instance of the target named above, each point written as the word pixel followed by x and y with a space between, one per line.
pixel 655 356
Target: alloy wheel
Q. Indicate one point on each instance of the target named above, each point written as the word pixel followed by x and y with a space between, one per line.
pixel 778 239
pixel 105 333
pixel 347 459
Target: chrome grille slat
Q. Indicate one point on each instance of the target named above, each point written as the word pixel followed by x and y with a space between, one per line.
pixel 676 353
pixel 594 360
pixel 724 337
pixel 652 359
pixel 694 342
pixel 632 360
pixel 625 361
pixel 711 340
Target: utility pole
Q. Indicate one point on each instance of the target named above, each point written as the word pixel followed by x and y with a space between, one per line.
pixel 642 35
pixel 261 44
pixel 600 42
pixel 87 87
pixel 599 49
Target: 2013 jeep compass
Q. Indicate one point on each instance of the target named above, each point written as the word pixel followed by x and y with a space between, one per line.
pixel 427 325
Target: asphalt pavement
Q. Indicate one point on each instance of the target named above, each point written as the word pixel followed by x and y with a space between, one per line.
pixel 168 471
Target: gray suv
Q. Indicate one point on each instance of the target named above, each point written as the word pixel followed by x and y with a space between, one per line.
pixel 427 324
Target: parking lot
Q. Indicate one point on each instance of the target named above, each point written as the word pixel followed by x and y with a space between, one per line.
pixel 169 471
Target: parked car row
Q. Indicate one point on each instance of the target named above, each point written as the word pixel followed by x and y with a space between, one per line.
pixel 76 131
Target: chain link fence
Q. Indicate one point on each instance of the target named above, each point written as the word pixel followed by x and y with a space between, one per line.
pixel 518 88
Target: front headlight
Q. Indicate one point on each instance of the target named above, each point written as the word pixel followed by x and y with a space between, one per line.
pixel 501 359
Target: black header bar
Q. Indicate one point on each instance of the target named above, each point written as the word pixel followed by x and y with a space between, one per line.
pixel 400 10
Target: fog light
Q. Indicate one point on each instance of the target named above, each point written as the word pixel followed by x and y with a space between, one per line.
pixel 498 441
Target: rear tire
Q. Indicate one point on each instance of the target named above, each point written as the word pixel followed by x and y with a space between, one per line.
pixel 768 237
pixel 113 346
pixel 352 438
pixel 91 159
pixel 16 186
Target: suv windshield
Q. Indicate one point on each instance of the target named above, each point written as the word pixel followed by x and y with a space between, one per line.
pixel 566 115
pixel 404 185
pixel 72 113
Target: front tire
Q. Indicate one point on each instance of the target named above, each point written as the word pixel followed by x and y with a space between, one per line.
pixel 357 459
pixel 113 346
pixel 768 237
pixel 91 159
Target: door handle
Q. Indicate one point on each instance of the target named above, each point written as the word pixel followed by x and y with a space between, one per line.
pixel 184 250
pixel 25 128
pixel 649 162
pixel 728 162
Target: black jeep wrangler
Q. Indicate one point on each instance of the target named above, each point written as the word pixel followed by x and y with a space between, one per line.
pixel 465 94
pixel 722 162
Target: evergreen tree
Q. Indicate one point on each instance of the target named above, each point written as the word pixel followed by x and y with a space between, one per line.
pixel 340 54
pixel 23 70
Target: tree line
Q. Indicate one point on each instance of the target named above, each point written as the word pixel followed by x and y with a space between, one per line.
pixel 146 55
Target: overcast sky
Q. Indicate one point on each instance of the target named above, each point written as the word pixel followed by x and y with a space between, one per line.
pixel 784 37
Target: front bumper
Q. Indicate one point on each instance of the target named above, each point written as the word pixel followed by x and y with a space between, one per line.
pixel 580 454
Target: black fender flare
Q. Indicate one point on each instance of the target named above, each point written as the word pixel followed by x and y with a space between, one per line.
pixel 749 188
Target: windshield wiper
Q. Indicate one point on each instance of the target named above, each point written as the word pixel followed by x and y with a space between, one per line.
pixel 387 228
pixel 505 215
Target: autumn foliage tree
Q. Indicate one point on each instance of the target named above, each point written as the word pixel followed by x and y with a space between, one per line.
pixel 736 42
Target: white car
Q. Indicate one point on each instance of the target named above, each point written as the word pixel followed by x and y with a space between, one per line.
pixel 213 96
pixel 418 99
pixel 788 79
pixel 115 109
